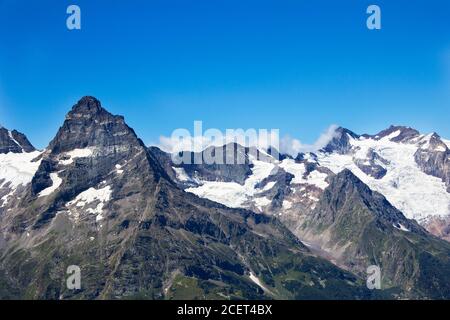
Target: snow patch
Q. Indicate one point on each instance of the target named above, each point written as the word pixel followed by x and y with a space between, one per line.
pixel 230 194
pixel 294 168
pixel 181 174
pixel 269 186
pixel 392 135
pixel 261 202
pixel 315 177
pixel 287 204
pixel 91 195
pixel 76 153
pixel 56 182
pixel 119 169
pixel 401 227
pixel 425 141
pixel 258 282
pixel 14 140
pixel 233 194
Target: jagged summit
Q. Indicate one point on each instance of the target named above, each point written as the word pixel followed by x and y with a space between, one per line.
pixel 87 105
pixel 90 145
pixel 398 133
pixel 88 124
pixel 346 187
pixel 14 141
pixel 340 143
pixel 100 200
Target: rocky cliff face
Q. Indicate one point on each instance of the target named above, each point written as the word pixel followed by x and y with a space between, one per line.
pixel 340 143
pixel 14 141
pixel 359 227
pixel 396 134
pixel 333 201
pixel 103 201
pixel 229 163
pixel 433 157
pixel 140 225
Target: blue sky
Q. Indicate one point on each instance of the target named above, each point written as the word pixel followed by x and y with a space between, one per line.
pixel 295 65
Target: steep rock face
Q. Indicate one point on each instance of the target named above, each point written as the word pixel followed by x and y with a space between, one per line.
pixel 345 190
pixel 14 141
pixel 433 157
pixel 90 148
pixel 340 143
pixel 410 169
pixel 103 201
pixel 359 228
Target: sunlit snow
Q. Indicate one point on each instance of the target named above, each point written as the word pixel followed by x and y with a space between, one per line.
pixel 56 182
pixel 233 194
pixel 18 168
pixel 410 190
pixel 91 195
pixel 76 153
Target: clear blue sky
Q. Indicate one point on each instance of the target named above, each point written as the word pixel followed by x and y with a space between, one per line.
pixel 290 64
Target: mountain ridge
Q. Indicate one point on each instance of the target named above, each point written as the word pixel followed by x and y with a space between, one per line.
pixel 100 200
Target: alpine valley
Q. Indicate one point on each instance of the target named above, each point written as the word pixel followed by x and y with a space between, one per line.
pixel 141 226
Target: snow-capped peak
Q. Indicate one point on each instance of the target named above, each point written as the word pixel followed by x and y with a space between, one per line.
pixel 417 194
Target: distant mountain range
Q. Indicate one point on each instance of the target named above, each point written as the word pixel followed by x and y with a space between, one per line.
pixel 140 225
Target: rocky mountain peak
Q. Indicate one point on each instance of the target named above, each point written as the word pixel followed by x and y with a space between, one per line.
pixel 346 180
pixel 91 146
pixel 396 133
pixel 14 141
pixel 86 106
pixel 340 143
pixel 88 124
pixel 346 189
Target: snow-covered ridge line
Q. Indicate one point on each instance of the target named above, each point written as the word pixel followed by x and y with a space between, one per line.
pixel 235 195
pixel 415 193
pixel 385 162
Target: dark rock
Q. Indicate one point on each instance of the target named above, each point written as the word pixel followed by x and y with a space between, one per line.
pixel 14 141
pixel 340 143
pixel 434 159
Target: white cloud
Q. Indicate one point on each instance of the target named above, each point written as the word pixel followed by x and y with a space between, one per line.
pixel 294 146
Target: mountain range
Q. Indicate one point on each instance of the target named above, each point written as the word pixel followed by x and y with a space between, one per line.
pixel 141 226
